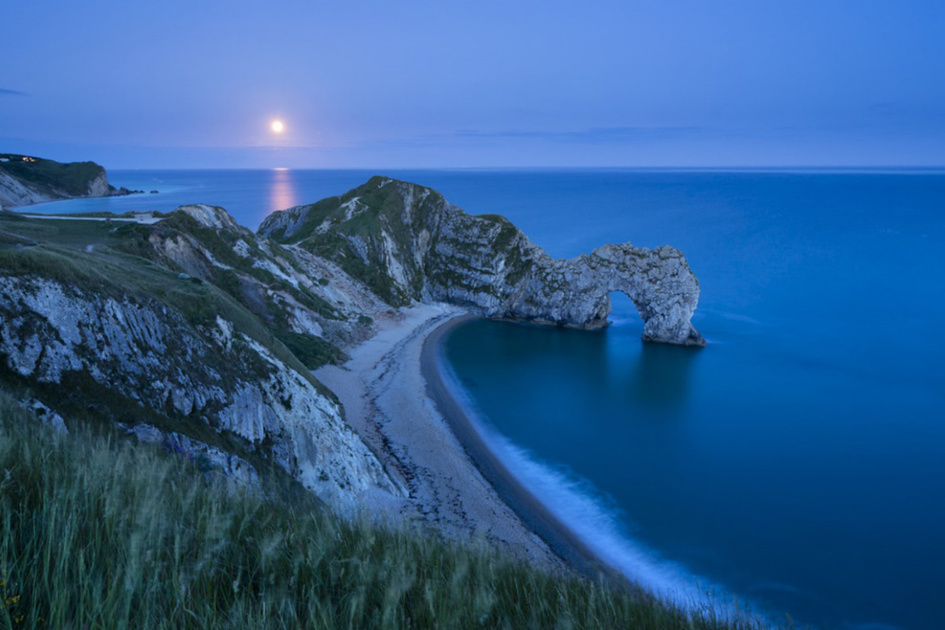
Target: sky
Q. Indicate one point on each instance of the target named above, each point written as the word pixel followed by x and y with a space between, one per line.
pixel 457 83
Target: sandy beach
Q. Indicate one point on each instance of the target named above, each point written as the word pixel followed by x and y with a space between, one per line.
pixel 384 391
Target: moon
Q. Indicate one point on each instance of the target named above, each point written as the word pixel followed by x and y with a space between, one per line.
pixel 277 126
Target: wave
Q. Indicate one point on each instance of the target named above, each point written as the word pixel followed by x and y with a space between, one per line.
pixel 731 316
pixel 584 512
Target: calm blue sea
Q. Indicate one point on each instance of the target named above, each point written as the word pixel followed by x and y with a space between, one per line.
pixel 798 461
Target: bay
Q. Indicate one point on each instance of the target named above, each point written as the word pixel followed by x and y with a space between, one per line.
pixel 798 461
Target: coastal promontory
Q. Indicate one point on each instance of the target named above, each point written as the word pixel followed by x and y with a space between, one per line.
pixel 209 331
pixel 293 363
pixel 26 180
pixel 407 244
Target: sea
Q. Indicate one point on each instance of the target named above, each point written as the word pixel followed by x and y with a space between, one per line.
pixel 795 466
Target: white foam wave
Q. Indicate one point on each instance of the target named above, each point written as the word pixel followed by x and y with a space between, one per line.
pixel 736 317
pixel 579 508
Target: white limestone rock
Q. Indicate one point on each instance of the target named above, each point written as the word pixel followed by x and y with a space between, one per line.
pixel 407 244
pixel 211 216
pixel 213 374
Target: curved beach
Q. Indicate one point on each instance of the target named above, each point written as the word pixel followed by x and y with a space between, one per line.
pixel 464 481
pixel 535 514
pixel 386 401
pixel 398 398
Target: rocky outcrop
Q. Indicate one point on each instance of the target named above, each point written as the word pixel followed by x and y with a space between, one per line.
pixel 27 180
pixel 576 292
pixel 293 292
pixel 406 243
pixel 134 359
pixel 99 186
pixel 213 217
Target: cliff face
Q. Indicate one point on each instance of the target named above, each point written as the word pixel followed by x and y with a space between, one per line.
pixel 406 243
pixel 26 180
pixel 14 192
pixel 140 359
pixel 304 300
pixel 190 332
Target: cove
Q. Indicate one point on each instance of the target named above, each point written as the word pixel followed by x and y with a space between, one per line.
pixel 769 476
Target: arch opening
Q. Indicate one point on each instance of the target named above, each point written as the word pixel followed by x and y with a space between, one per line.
pixel 623 312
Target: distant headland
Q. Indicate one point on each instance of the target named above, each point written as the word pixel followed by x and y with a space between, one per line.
pixel 26 180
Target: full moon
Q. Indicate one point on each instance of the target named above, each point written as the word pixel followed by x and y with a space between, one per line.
pixel 278 126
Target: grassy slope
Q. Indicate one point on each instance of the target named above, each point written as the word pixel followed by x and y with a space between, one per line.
pixel 71 178
pixel 385 212
pixel 381 211
pixel 98 533
pixel 58 249
pixel 313 352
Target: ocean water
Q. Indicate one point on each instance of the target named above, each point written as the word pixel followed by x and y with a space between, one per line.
pixel 798 461
pixel 248 195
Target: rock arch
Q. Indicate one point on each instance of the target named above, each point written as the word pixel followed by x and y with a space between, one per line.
pixel 576 292
pixel 407 243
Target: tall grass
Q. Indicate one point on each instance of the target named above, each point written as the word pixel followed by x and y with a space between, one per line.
pixel 97 533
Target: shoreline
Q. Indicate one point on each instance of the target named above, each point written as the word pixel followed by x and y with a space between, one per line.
pixel 561 539
pixel 575 528
pixel 456 478
pixel 386 402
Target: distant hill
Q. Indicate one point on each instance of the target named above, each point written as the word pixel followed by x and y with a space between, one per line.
pixel 26 180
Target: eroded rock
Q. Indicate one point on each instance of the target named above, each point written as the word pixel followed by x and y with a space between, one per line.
pixel 407 244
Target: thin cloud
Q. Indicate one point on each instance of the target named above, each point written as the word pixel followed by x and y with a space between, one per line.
pixel 592 136
pixel 6 92
pixel 597 135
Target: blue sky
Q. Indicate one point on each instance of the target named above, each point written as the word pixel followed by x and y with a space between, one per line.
pixel 474 84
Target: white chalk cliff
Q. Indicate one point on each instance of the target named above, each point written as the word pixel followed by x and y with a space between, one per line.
pixel 27 180
pixel 149 361
pixel 407 243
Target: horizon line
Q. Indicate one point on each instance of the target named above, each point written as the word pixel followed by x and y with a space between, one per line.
pixel 796 167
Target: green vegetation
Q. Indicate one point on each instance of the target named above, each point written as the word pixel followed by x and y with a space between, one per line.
pixel 373 273
pixel 98 533
pixel 380 211
pixel 314 215
pixel 111 269
pixel 57 178
pixel 507 230
pixel 360 238
pixel 313 352
pixel 246 281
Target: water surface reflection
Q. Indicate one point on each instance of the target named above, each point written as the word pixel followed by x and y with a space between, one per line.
pixel 282 190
